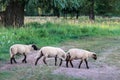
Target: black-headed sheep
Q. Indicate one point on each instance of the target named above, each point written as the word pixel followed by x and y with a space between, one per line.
pixel 74 54
pixel 49 51
pixel 21 49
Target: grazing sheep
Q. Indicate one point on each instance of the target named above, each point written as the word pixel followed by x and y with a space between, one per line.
pixel 21 49
pixel 74 54
pixel 48 52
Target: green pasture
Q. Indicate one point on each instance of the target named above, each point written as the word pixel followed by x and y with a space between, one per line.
pixel 96 36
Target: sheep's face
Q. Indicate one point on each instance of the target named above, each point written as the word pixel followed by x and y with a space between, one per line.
pixel 34 47
pixel 94 56
pixel 68 57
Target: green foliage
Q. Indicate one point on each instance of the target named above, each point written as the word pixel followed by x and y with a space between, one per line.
pixel 101 7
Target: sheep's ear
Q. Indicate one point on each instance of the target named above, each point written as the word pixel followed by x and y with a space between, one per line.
pixel 34 47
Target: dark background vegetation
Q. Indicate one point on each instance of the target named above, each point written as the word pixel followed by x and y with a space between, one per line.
pixel 13 11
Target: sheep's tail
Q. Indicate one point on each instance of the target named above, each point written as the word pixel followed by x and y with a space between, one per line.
pixel 11 52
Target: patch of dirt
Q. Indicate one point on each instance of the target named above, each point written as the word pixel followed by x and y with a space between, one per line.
pixel 30 61
pixel 99 70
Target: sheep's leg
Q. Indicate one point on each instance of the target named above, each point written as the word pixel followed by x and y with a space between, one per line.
pixel 14 60
pixel 38 59
pixel 44 60
pixel 71 63
pixel 11 60
pixel 55 60
pixel 80 63
pixel 24 60
pixel 60 62
pixel 86 64
pixel 67 63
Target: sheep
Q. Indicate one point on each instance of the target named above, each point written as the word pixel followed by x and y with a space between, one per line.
pixel 48 52
pixel 21 49
pixel 74 54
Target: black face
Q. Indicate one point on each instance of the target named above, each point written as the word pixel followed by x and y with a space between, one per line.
pixel 68 57
pixel 94 56
pixel 34 47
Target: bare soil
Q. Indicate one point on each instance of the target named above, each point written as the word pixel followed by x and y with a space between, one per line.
pixel 99 69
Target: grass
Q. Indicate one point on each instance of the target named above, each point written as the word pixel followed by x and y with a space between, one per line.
pixel 33 73
pixel 43 72
pixel 114 58
pixel 50 34
pixel 61 30
pixel 99 36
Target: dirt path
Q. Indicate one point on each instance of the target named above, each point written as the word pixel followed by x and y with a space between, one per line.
pixel 98 69
pixel 30 61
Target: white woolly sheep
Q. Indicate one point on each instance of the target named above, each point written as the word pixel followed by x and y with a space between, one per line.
pixel 21 49
pixel 49 51
pixel 74 54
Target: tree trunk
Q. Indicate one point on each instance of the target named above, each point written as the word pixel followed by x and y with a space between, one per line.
pixel 9 14
pixel 91 11
pixel 77 14
pixel 14 14
pixel 19 14
pixel 64 13
pixel 56 12
pixel 2 17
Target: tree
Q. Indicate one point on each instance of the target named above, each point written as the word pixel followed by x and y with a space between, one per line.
pixel 106 7
pixel 14 12
pixel 14 9
pixel 31 9
pixel 91 10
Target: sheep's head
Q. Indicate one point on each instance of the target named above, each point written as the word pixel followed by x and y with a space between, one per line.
pixel 34 47
pixel 94 56
pixel 68 57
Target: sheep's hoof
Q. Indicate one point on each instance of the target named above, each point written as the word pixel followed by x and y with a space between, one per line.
pixel 59 65
pixel 67 66
pixel 25 61
pixel 15 62
pixel 87 67
pixel 35 64
pixel 22 61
